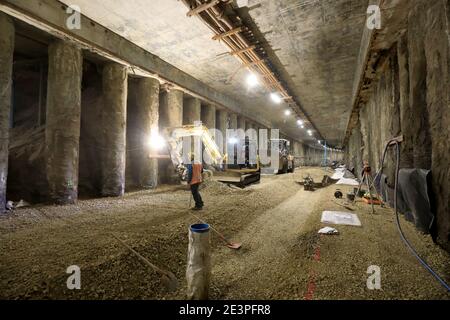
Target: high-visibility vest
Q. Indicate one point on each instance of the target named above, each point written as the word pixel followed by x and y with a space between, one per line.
pixel 196 174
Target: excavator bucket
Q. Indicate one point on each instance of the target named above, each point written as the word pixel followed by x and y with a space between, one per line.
pixel 239 179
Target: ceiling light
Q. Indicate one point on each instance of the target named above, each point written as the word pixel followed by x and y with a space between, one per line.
pixel 310 132
pixel 287 113
pixel 276 98
pixel 252 80
pixel 300 122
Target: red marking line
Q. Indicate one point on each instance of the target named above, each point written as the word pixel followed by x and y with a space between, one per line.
pixel 311 289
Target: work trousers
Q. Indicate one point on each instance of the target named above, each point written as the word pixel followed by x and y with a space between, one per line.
pixel 196 194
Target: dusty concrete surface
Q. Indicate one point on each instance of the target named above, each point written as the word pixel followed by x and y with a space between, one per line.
pixel 114 120
pixel 192 110
pixel 222 126
pixel 171 116
pixel 241 123
pixel 208 116
pixel 62 133
pixel 142 120
pixel 233 121
pixel 276 221
pixel 6 66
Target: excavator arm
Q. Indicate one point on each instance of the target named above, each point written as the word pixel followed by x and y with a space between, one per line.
pixel 175 136
pixel 174 140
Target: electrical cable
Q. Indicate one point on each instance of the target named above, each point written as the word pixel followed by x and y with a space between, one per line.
pixel 402 235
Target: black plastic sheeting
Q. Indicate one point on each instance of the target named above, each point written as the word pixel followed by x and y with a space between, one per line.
pixel 413 196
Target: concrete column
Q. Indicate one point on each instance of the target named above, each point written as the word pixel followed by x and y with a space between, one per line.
pixel 222 126
pixel 253 135
pixel 171 109
pixel 234 121
pixel 192 111
pixel 241 123
pixel 147 102
pixel 171 116
pixel 7 34
pixel 209 116
pixel 62 132
pixel 114 116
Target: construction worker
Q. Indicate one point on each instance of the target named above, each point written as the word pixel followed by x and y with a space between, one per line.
pixel 195 179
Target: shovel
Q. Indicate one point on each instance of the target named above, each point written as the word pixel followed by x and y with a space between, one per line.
pixel 229 244
pixel 346 207
pixel 168 279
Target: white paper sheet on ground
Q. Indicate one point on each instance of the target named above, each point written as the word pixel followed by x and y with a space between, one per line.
pixel 338 173
pixel 343 218
pixel 348 182
pixel 329 231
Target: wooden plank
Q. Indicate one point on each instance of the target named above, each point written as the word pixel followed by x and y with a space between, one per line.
pixel 202 7
pixel 234 53
pixel 227 34
pixel 254 63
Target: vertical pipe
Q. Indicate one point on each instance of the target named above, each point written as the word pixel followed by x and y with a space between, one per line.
pixel 198 272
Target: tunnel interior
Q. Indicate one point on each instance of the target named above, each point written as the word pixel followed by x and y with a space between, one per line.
pixel 89 117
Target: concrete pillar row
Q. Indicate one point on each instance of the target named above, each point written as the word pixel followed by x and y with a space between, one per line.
pixel 171 108
pixel 147 101
pixel 114 116
pixel 171 116
pixel 241 123
pixel 209 116
pixel 63 119
pixel 234 121
pixel 7 37
pixel 222 126
pixel 192 111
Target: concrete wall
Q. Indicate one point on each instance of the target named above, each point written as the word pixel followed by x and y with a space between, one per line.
pixel 412 97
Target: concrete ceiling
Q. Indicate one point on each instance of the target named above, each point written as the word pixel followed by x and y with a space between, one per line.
pixel 316 43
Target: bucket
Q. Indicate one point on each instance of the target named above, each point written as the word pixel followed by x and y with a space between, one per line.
pixel 200 228
pixel 198 271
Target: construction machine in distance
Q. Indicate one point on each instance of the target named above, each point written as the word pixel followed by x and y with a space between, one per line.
pixel 218 167
pixel 286 161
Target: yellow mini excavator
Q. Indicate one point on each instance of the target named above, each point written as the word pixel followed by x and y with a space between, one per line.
pixel 218 167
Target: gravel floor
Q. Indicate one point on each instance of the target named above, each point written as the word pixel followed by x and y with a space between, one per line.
pixel 276 221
